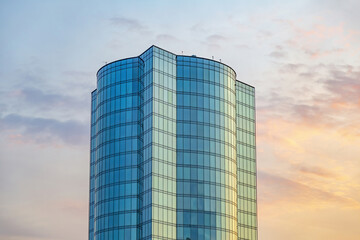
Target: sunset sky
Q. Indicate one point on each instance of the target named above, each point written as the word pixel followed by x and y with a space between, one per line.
pixel 303 58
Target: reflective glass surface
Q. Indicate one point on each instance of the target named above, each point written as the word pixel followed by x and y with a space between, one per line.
pixel 246 161
pixel 206 150
pixel 172 151
pixel 116 144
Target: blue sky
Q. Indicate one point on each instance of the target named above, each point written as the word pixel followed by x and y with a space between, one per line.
pixel 301 56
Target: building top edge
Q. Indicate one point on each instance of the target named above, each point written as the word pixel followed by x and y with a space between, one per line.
pixel 123 59
pixel 245 83
pixel 152 46
pixel 192 55
pixel 212 60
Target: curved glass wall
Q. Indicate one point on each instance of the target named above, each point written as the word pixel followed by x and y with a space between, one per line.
pixel 172 151
pixel 246 161
pixel 117 150
pixel 206 150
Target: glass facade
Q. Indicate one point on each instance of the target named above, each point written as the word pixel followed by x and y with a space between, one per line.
pixel 172 150
pixel 206 150
pixel 246 161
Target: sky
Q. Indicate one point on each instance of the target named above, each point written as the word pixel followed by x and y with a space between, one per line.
pixel 301 56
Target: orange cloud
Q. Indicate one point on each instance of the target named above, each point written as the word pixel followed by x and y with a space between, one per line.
pixel 317 171
pixel 279 190
pixel 307 166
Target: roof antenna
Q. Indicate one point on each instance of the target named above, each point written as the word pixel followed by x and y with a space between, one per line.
pixel 220 59
pixel 182 52
pixel 212 57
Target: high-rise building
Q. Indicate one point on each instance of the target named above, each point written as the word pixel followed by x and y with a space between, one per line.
pixel 172 150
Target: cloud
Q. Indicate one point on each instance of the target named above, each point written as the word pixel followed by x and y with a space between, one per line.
pixel 264 33
pixel 214 42
pixel 314 33
pixel 129 24
pixel 242 46
pixel 315 170
pixel 216 38
pixel 319 40
pixel 78 74
pixel 37 97
pixel 277 54
pixel 199 28
pixel 347 12
pixel 315 53
pixel 44 131
pixel 308 112
pixel 319 94
pixel 35 101
pixel 273 105
pixel 12 229
pixel 35 219
pixel 344 82
pixel 73 206
pixel 291 67
pixel 276 190
pixel 3 108
pixel 166 38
